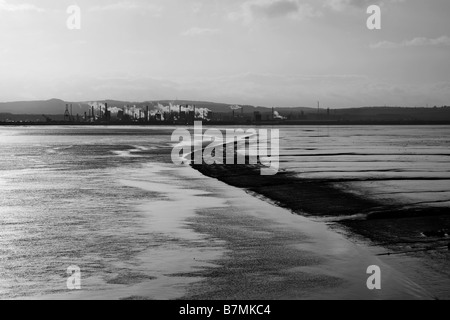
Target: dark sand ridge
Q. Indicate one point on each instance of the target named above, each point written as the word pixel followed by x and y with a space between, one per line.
pixel 419 232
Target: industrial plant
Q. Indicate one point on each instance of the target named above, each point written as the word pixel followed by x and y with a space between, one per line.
pixel 103 113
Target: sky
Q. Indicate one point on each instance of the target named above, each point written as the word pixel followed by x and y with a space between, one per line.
pixel 279 53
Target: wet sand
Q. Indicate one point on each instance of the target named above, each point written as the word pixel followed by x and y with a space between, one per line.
pixel 272 254
pixel 234 245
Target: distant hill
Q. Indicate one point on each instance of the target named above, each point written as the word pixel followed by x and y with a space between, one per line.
pixel 53 106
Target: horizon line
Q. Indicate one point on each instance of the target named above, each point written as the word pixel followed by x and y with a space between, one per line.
pixel 223 103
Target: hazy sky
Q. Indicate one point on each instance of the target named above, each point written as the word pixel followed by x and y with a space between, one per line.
pixel 259 52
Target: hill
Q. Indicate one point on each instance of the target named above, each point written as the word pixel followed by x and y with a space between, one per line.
pixel 53 106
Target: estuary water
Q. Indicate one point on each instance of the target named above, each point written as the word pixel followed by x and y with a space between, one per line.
pixel 109 200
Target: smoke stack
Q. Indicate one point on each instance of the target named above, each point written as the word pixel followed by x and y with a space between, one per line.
pixel 187 113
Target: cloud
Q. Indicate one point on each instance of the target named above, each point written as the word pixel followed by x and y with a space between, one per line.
pixel 276 89
pixel 275 9
pixel 197 7
pixel 153 9
pixel 342 5
pixel 200 32
pixel 270 9
pixel 251 10
pixel 5 6
pixel 416 42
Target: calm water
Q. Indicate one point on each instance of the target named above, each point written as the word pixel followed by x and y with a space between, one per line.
pixel 406 165
pixel 65 195
pixel 62 203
